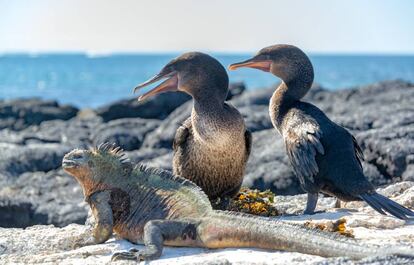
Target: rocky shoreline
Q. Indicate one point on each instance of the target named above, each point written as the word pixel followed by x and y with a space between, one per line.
pixel 35 134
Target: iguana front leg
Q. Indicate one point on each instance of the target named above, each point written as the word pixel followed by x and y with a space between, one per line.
pixel 160 232
pixel 102 212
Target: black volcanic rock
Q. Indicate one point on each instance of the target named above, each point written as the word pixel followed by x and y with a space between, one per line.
pixel 381 116
pixel 74 133
pixel 157 107
pixel 268 166
pixel 42 147
pixel 20 113
pixel 127 133
pixel 163 136
pixel 235 90
pixel 18 159
pixel 42 198
pixel 256 117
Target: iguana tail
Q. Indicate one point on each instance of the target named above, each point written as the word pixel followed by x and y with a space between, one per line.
pixel 226 229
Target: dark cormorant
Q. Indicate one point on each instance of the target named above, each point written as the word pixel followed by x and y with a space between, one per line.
pixel 324 156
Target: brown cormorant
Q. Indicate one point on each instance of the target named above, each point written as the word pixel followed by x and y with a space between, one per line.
pixel 325 156
pixel 212 146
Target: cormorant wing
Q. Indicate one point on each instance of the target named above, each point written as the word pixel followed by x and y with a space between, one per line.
pixel 358 152
pixel 302 142
pixel 182 134
pixel 248 141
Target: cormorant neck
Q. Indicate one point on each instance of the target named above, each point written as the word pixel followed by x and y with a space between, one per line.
pixel 285 96
pixel 207 106
pixel 296 88
pixel 208 117
pixel 289 92
pixel 209 99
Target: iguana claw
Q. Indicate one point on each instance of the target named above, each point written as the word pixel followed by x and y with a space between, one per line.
pixel 132 254
pixel 82 242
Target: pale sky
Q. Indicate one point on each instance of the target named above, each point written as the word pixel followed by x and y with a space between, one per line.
pixel 104 26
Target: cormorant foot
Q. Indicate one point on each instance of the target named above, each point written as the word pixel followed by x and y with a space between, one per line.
pixel 313 212
pixel 221 203
pixel 311 203
pixel 337 204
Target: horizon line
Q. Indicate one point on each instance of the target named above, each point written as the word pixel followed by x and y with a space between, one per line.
pixel 93 54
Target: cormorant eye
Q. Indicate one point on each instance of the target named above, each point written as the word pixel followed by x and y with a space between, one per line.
pixel 264 57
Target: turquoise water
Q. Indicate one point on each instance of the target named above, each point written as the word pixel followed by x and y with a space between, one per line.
pixel 93 81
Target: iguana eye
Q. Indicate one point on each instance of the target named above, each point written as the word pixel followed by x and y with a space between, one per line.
pixel 126 170
pixel 77 156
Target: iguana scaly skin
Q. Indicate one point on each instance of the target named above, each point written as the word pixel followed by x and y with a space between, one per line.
pixel 156 208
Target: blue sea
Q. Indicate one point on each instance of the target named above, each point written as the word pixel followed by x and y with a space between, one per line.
pixel 91 81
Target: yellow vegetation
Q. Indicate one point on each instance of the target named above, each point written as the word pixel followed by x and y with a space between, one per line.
pixel 337 226
pixel 262 203
pixel 254 202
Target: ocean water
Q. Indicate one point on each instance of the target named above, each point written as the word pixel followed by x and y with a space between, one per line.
pixel 87 81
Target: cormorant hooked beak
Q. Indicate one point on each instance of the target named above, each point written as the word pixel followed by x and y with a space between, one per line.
pixel 261 64
pixel 171 84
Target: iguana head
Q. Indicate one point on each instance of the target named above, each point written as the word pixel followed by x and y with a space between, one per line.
pixel 96 165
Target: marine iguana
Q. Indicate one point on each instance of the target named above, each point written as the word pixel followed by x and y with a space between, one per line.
pixel 154 207
pixel 325 156
pixel 212 146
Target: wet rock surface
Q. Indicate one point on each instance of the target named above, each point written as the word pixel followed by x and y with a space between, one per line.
pixel 381 116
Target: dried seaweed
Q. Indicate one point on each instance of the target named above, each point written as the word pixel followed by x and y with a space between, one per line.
pixel 254 202
pixel 338 226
